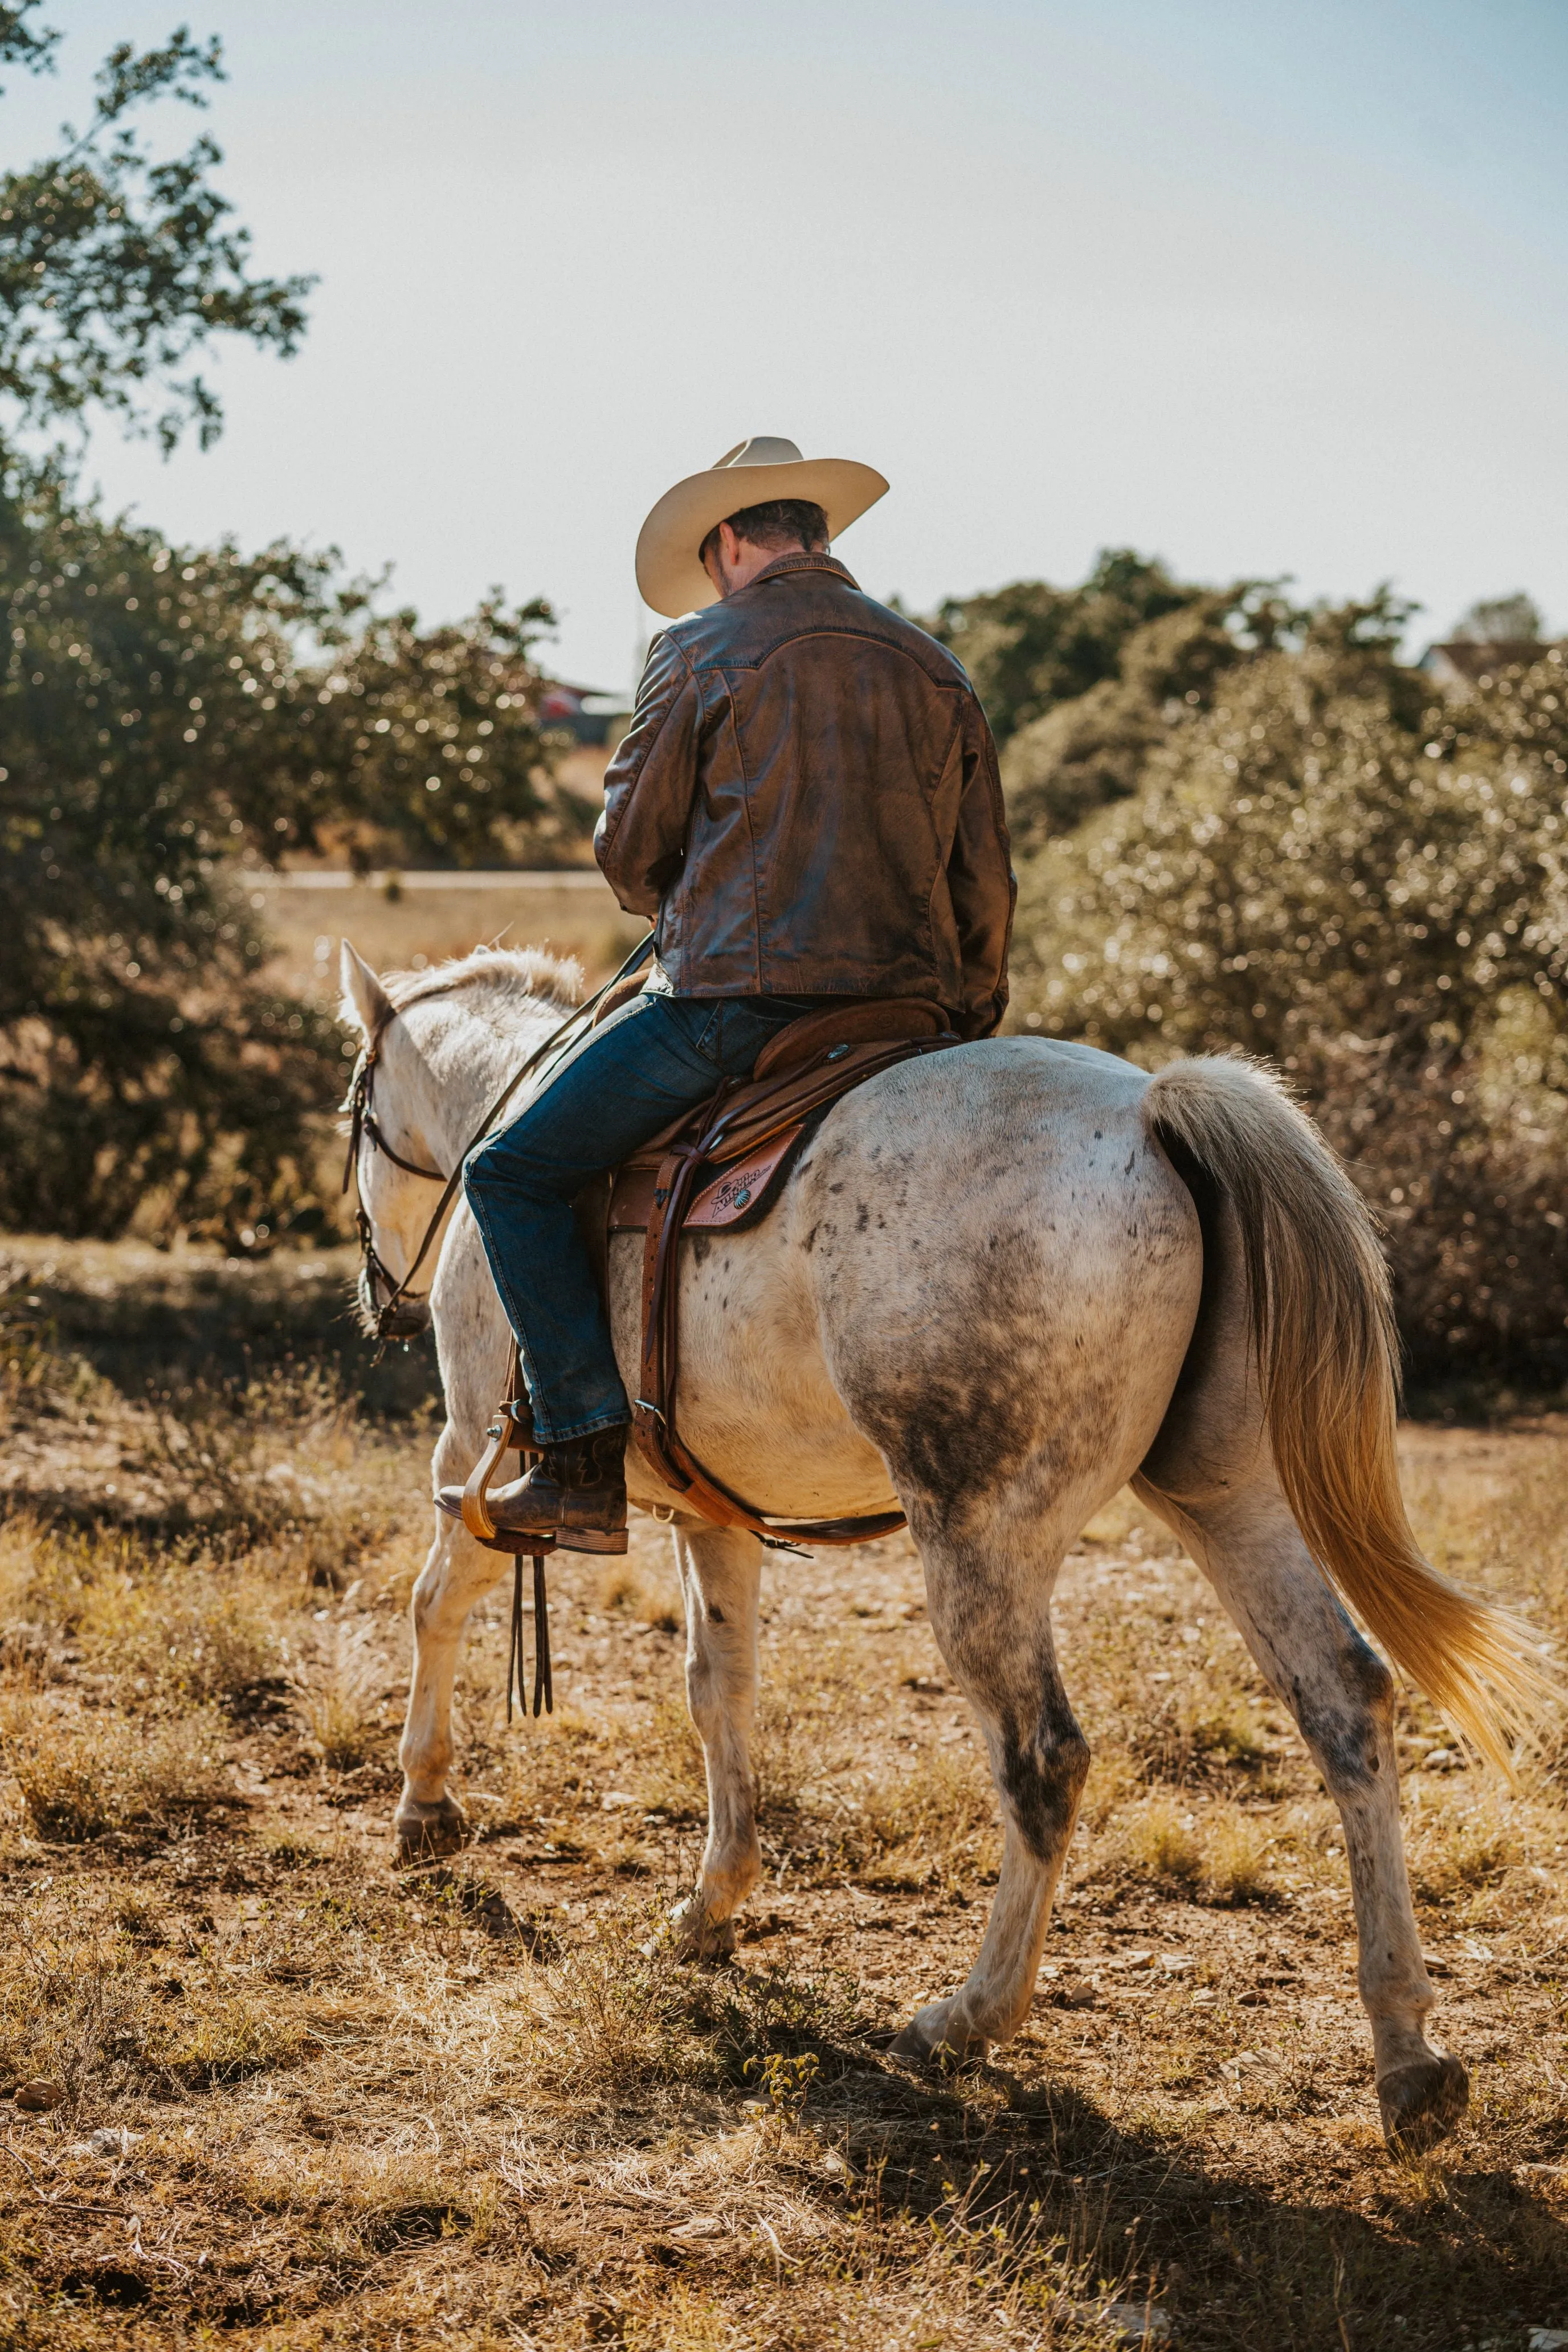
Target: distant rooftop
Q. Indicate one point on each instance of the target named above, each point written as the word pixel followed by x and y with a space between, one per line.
pixel 1458 664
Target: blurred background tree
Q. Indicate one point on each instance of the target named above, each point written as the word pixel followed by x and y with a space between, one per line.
pixel 1303 855
pixel 1503 621
pixel 115 268
pixel 166 713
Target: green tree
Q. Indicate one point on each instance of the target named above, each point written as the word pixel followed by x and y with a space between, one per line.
pixel 1502 621
pixel 1323 868
pixel 1090 747
pixel 428 749
pixel 115 268
pixel 158 717
pixel 165 712
pixel 1030 647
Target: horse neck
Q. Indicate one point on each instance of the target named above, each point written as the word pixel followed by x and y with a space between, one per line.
pixel 444 1065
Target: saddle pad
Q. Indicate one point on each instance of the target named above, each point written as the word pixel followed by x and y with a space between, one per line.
pixel 744 1190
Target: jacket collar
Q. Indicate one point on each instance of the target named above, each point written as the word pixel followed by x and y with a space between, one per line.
pixel 783 565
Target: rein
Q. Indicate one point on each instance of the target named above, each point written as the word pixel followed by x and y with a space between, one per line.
pixel 393 1320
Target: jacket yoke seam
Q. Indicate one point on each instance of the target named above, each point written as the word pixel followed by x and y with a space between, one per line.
pixel 724 659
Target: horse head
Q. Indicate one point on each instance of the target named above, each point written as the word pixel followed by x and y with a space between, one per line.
pixel 392 1164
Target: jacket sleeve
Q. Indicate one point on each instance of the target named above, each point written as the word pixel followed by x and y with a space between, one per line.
pixel 649 785
pixel 979 880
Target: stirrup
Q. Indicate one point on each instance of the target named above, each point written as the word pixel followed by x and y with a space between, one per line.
pixel 511 1428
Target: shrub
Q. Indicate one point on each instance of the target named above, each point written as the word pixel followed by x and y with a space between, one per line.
pixel 1325 870
pixel 1157 1841
pixel 933 1817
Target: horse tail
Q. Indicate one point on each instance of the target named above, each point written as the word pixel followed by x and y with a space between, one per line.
pixel 1324 1336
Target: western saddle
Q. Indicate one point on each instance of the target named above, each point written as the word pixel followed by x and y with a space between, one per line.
pixel 717 1168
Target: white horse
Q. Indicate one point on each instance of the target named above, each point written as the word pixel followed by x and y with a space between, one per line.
pixel 1000 1283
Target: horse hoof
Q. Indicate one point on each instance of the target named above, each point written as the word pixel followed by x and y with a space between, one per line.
pixel 424 1833
pixel 1421 2103
pixel 931 2036
pixel 695 1937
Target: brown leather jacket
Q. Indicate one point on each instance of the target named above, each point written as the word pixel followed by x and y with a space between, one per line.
pixel 808 800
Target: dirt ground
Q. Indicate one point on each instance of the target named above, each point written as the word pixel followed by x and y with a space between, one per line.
pixel 306 2099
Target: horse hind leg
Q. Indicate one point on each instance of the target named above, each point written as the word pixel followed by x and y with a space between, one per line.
pixel 1342 1697
pixel 989 1610
pixel 720 1575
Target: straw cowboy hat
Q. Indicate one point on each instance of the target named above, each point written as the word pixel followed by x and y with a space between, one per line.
pixel 669 573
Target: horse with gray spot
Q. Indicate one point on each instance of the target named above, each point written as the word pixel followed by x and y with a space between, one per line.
pixel 1069 1275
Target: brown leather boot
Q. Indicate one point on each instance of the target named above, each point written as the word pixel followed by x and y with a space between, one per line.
pixel 576 1492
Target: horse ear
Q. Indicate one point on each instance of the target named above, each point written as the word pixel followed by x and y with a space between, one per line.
pixel 366 1005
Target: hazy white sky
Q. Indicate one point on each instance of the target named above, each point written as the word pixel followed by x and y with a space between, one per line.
pixel 1259 287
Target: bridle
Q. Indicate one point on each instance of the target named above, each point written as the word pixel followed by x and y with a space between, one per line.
pixel 397 1315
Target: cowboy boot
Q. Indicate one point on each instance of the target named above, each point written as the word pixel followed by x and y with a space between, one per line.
pixel 575 1491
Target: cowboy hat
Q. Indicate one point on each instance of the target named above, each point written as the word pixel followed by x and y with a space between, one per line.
pixel 669 570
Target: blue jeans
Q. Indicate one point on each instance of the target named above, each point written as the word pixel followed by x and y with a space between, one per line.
pixel 655 1057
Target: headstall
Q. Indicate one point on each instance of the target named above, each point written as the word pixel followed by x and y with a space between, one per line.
pixel 396 1318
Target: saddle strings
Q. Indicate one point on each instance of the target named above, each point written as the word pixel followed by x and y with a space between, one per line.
pixel 517 1657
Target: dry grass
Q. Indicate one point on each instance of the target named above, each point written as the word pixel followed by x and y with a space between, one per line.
pixel 480 2103
pixel 81 1778
pixel 341 1694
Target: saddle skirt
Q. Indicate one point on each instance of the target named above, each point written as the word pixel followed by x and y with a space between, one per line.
pixel 750 1130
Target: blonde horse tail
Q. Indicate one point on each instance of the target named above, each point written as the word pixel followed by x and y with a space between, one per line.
pixel 1323 1334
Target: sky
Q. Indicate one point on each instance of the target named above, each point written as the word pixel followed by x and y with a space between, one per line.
pixel 1262 290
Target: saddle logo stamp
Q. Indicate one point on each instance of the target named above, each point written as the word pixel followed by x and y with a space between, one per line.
pixel 735 1190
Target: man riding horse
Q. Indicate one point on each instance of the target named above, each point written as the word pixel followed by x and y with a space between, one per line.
pixel 807 802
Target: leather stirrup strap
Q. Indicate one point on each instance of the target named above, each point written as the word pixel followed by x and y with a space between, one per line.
pixel 511 1428
pixel 651 1410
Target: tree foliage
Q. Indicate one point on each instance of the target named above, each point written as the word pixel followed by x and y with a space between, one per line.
pixel 428 749
pixel 1323 868
pixel 116 268
pixel 1089 750
pixel 1502 621
pixel 1030 647
pixel 162 712
pixel 168 713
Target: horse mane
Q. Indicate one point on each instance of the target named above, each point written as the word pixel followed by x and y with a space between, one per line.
pixel 531 973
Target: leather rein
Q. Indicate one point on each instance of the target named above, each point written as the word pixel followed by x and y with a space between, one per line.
pixel 394 1316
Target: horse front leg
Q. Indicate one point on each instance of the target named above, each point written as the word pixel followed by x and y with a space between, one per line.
pixel 721 1576
pixel 456 1573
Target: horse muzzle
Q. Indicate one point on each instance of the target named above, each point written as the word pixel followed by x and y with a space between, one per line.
pixel 403 1318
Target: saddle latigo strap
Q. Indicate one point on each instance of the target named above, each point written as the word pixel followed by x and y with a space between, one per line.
pixel 741 1121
